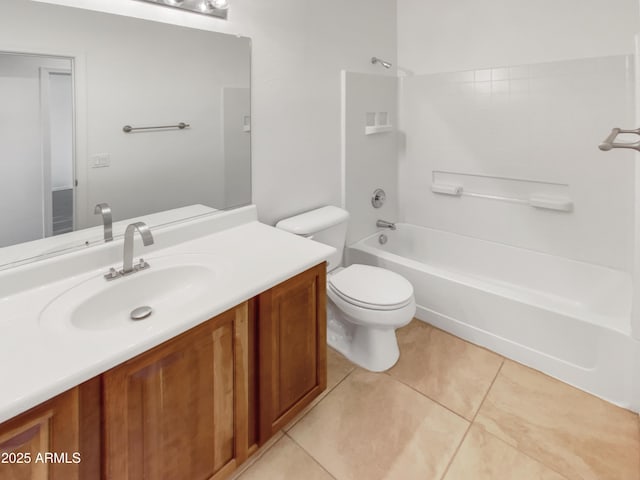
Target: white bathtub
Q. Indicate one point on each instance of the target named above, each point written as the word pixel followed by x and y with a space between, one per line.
pixel 566 318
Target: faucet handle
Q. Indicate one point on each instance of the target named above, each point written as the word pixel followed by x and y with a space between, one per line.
pixel 142 264
pixel 112 274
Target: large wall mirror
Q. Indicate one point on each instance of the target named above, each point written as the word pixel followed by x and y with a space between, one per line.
pixel 150 118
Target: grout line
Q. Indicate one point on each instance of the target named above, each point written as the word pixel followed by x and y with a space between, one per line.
pixel 523 453
pixel 311 406
pixel 473 422
pixel 501 440
pixel 464 437
pixel 481 347
pixel 455 453
pixel 257 456
pixel 488 390
pixel 548 376
pixel 427 397
pixel 309 454
pixel 266 447
pixel 502 360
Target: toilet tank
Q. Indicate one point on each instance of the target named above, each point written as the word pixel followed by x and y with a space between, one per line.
pixel 326 225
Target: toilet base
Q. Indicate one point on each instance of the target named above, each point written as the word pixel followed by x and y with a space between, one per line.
pixel 372 348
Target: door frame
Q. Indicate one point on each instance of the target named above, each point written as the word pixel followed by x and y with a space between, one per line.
pixel 45 136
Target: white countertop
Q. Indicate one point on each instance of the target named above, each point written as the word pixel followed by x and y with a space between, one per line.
pixel 39 363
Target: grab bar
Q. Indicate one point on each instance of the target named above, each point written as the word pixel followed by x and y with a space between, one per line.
pixel 609 142
pixel 129 128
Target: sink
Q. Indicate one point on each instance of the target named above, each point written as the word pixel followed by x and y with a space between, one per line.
pixel 171 285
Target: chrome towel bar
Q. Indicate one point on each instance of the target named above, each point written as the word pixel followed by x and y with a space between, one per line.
pixel 609 142
pixel 129 128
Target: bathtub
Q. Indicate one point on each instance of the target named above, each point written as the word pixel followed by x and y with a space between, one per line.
pixel 566 318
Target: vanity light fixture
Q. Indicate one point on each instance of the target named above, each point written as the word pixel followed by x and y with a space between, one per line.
pixel 219 4
pixel 215 8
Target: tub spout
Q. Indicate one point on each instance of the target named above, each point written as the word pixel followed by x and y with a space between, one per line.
pixel 385 224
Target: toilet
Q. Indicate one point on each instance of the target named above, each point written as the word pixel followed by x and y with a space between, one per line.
pixel 365 304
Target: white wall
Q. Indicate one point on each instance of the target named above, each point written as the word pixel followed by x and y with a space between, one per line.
pixel 370 161
pixel 20 160
pixel 299 49
pixel 436 36
pixel 21 167
pixel 635 313
pixel 61 125
pixel 236 117
pixel 152 75
pixel 526 91
pixel 539 123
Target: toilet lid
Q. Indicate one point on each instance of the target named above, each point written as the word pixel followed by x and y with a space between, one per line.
pixel 375 286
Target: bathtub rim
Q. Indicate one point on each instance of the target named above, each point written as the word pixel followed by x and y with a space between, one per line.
pixel 617 323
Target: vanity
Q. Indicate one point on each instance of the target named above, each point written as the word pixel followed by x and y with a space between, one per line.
pixel 190 392
pixel 228 343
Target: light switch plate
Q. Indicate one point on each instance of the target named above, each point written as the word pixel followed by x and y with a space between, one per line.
pixel 100 160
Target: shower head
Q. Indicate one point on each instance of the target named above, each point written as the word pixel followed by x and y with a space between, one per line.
pixel 375 60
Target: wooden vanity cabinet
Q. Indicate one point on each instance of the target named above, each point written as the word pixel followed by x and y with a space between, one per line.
pixel 180 411
pixel 194 407
pixel 57 440
pixel 292 348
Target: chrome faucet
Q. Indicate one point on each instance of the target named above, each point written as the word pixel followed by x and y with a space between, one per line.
pixel 107 220
pixel 385 224
pixel 127 264
pixel 147 239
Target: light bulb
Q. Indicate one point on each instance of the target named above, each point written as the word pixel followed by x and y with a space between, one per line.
pixel 219 4
pixel 216 8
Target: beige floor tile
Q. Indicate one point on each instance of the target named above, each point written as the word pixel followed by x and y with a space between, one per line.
pixel 484 457
pixel 373 427
pixel 257 455
pixel 338 368
pixel 576 434
pixel 285 461
pixel 449 370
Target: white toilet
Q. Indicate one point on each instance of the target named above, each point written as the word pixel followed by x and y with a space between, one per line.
pixel 366 304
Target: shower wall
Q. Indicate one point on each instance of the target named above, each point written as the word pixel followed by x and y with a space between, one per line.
pixel 368 160
pixel 512 100
pixel 436 36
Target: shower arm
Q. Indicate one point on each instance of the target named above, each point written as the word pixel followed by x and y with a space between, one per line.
pixel 385 64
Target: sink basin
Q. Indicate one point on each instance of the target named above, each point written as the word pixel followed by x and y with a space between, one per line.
pixel 171 285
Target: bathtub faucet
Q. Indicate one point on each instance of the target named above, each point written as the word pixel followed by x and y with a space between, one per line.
pixel 385 224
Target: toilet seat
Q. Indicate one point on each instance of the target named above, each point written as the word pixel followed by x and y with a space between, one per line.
pixel 372 288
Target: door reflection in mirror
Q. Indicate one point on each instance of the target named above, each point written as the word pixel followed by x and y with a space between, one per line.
pixel 36 147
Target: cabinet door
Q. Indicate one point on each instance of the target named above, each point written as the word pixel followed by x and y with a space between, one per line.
pixel 292 334
pixel 179 411
pixel 29 442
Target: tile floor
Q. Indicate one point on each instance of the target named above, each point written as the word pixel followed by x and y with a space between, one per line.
pixel 454 411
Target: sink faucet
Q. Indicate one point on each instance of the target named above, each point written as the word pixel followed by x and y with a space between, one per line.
pixel 105 210
pixel 385 224
pixel 147 239
pixel 127 264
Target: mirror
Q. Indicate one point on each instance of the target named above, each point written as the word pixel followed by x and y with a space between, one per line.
pixel 153 119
